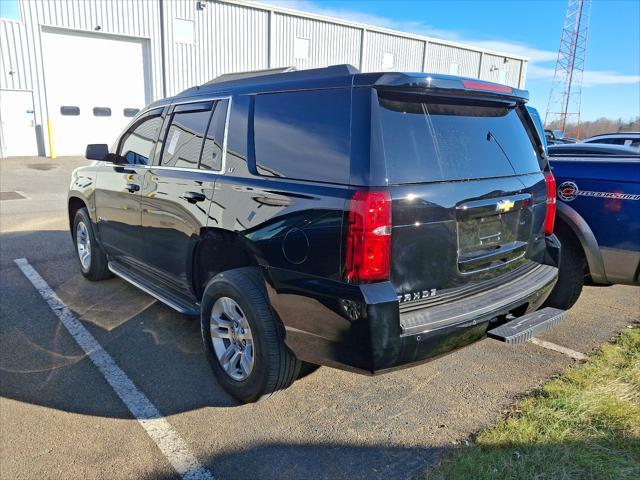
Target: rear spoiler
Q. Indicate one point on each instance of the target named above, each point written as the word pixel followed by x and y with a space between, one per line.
pixel 432 83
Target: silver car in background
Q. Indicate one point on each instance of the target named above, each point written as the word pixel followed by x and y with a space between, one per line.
pixel 627 139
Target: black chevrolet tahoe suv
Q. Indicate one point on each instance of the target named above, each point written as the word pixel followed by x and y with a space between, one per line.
pixel 363 221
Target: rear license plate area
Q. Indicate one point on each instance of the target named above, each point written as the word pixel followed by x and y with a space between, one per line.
pixel 489 236
pixel 481 233
pixel 489 230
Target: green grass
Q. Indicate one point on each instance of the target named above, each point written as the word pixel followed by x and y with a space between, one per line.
pixel 583 425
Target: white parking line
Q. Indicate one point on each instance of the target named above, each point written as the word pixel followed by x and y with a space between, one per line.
pixel 558 348
pixel 161 432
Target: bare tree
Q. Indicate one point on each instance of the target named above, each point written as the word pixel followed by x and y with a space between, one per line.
pixel 598 127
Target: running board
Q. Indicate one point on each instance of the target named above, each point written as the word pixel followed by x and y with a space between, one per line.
pixel 524 328
pixel 174 301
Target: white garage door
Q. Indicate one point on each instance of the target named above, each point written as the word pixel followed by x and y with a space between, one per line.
pixel 95 84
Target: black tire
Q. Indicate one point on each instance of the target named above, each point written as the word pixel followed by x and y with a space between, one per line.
pixel 96 268
pixel 275 367
pixel 571 273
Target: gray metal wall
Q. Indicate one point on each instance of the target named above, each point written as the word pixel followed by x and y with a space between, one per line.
pixel 492 65
pixel 440 57
pixel 329 43
pixel 408 52
pixel 229 36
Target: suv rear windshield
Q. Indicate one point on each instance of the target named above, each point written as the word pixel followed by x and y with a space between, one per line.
pixel 445 139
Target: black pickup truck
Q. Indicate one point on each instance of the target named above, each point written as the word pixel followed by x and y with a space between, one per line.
pixel 363 221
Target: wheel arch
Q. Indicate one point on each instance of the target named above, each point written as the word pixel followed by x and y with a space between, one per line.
pixel 218 251
pixel 587 240
pixel 74 204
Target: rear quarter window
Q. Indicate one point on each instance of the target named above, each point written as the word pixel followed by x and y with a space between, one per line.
pixel 443 139
pixel 303 135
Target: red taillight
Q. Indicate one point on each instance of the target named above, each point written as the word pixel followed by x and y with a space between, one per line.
pixel 369 237
pixel 550 216
pixel 490 87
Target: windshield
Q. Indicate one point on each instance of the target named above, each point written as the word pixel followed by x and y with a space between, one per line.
pixel 443 139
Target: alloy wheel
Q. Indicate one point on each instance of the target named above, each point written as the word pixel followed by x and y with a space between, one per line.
pixel 83 243
pixel 232 338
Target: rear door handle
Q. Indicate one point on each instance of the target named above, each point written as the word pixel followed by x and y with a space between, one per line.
pixel 132 187
pixel 193 197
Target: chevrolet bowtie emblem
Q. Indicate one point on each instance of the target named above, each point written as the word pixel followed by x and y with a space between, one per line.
pixel 503 206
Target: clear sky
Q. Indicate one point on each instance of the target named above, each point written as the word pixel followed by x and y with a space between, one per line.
pixel 611 86
pixel 10 9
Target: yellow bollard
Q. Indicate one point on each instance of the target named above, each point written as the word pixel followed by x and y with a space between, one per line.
pixel 52 153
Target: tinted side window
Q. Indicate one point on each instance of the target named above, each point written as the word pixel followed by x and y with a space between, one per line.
pixel 183 141
pixel 609 141
pixel 213 142
pixel 238 136
pixel 586 151
pixel 139 141
pixel 563 151
pixel 581 151
pixel 303 135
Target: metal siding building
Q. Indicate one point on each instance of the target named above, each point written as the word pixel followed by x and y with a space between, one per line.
pixel 441 58
pixel 62 48
pixel 322 39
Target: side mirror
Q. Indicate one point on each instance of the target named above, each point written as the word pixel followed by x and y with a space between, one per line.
pixel 97 151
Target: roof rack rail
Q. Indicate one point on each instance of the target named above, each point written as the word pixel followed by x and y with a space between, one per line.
pixel 227 77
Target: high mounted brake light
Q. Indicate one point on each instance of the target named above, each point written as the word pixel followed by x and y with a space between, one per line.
pixel 550 215
pixel 368 240
pixel 490 87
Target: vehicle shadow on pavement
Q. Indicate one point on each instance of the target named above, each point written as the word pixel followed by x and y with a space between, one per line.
pixel 321 461
pixel 161 352
pixel 335 461
pixel 40 363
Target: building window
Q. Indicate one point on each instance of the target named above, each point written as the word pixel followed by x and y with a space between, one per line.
pixel 184 31
pixel 130 112
pixel 10 10
pixel 301 48
pixel 69 111
pixel 453 68
pixel 101 112
pixel 388 60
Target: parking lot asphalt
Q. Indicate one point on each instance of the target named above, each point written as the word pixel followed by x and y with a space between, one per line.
pixel 59 418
